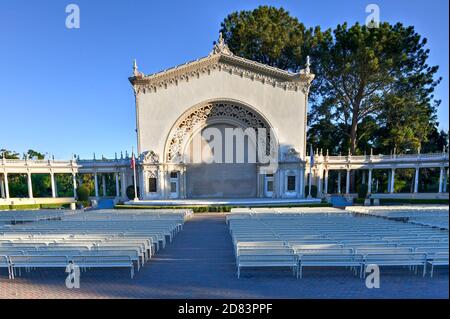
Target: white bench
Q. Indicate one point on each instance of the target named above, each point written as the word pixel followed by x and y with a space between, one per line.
pixel 266 261
pixel 4 263
pixel 330 260
pixel 104 262
pixel 397 259
pixel 41 261
pixel 439 259
pixel 264 251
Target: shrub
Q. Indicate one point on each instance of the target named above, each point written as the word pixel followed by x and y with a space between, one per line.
pixel 362 191
pixel 52 206
pixel 83 203
pixel 83 193
pixel 313 190
pixel 130 191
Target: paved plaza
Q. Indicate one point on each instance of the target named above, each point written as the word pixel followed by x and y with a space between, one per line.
pixel 199 263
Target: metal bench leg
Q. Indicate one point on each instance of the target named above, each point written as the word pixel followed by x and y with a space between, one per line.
pixel 432 270
pixel 424 269
pixel 239 272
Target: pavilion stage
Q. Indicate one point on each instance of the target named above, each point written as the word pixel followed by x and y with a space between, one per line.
pixel 225 202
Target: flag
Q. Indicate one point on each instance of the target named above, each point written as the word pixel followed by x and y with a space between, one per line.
pixel 133 161
pixel 311 156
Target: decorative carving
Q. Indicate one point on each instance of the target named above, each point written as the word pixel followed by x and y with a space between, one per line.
pixel 150 157
pixel 152 173
pixel 231 64
pixel 221 47
pixel 292 155
pixel 198 117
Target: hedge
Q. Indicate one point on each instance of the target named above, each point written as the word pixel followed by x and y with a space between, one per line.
pixel 34 206
pixel 387 201
pixel 215 208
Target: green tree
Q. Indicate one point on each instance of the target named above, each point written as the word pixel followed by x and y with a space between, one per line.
pixel 32 154
pixel 8 154
pixel 373 86
pixel 381 73
pixel 268 35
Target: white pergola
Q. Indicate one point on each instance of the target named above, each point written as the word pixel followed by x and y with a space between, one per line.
pixel 323 164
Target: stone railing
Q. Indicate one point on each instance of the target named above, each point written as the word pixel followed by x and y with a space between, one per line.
pixel 376 158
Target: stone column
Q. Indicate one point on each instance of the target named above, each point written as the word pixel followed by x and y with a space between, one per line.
pixel 2 188
pixel 416 180
pixel 389 181
pixel 104 185
pixel 74 182
pixel 52 181
pixel 325 186
pixel 30 186
pixel 116 175
pixel 281 183
pixel 141 182
pixel 302 183
pixel 441 179
pixel 369 186
pixel 347 183
pixel 309 184
pixel 445 180
pixel 185 185
pixel 96 184
pixel 392 185
pixel 339 182
pixel 123 184
pixel 319 182
pixel 6 186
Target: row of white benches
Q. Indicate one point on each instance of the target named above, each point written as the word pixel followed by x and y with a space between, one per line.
pixel 16 216
pixel 264 239
pixel 256 255
pixel 95 239
pixel 432 216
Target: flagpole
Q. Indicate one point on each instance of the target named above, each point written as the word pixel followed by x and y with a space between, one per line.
pixel 310 171
pixel 134 175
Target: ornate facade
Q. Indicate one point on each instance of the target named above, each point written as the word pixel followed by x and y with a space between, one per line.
pixel 220 91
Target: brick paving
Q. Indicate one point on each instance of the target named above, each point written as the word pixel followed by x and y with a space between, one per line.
pixel 200 264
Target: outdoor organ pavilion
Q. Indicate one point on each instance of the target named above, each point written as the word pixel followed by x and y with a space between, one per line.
pixel 223 93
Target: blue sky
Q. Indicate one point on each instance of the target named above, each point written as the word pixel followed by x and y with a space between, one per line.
pixel 66 91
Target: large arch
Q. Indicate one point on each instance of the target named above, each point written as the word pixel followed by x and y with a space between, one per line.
pixel 213 111
pixel 224 180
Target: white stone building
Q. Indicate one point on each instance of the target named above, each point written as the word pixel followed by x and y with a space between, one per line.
pixel 219 91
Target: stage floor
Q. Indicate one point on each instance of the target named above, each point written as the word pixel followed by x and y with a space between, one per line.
pixel 224 201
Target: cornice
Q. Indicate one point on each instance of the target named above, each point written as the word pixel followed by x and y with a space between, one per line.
pixel 224 62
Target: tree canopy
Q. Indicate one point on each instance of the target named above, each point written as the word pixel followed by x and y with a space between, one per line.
pixel 373 86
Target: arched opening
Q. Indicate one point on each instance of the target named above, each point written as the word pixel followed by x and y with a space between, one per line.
pixel 218 144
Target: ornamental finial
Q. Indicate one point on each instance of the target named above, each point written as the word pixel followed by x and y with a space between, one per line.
pixel 135 68
pixel 221 47
pixel 308 65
